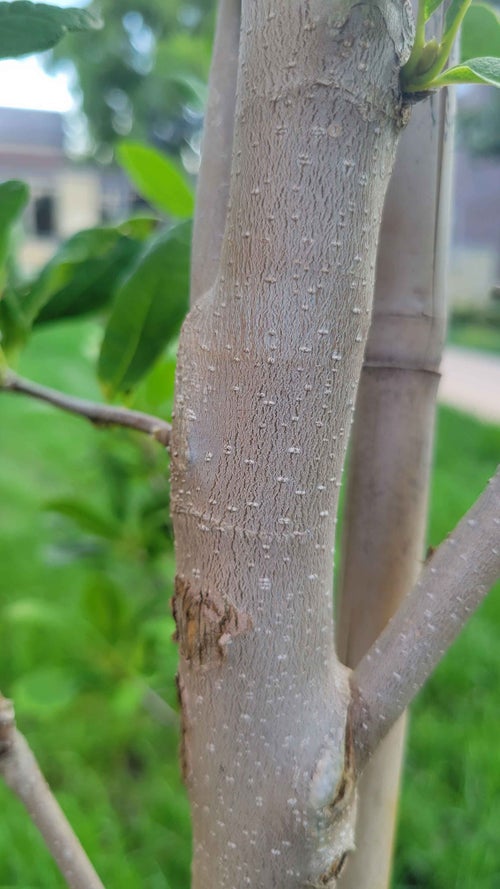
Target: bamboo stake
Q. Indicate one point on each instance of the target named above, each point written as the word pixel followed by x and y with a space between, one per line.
pixel 212 192
pixel 391 449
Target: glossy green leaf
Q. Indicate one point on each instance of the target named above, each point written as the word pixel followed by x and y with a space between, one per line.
pixel 14 328
pixel 34 27
pixel 155 395
pixel 85 272
pixel 14 196
pixel 148 310
pixel 430 7
pixel 485 70
pixel 157 179
pixel 138 227
pixel 456 10
pixel 480 35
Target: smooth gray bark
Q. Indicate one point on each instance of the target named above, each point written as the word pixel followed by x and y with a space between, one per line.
pixel 268 368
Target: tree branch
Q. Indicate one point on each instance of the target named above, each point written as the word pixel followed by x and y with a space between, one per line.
pixel 98 414
pixel 451 586
pixel 22 775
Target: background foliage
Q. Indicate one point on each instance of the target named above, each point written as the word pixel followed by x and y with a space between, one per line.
pixel 143 75
pixel 86 635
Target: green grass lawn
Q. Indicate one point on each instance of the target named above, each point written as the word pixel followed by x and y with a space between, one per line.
pixel 476 328
pixel 483 337
pixel 86 651
pixel 450 811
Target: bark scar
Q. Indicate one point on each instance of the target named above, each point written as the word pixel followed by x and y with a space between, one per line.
pixel 346 786
pixel 206 624
pixel 340 815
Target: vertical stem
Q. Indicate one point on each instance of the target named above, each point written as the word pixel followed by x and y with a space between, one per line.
pixel 385 518
pixel 268 368
pixel 215 170
pixel 419 41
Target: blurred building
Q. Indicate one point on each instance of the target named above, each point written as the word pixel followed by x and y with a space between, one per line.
pixel 65 196
pixel 474 269
pixel 68 196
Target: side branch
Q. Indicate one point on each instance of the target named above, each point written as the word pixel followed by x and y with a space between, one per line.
pixel 21 773
pixel 451 586
pixel 98 414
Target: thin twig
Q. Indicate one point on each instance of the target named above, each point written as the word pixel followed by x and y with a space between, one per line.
pixel 453 583
pixel 22 775
pixel 98 414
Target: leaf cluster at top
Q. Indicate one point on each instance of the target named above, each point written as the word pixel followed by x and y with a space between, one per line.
pixel 27 27
pixel 479 47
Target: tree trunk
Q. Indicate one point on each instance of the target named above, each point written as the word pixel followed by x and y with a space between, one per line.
pixel 268 367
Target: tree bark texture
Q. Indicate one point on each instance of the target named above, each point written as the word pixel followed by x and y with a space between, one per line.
pixel 268 368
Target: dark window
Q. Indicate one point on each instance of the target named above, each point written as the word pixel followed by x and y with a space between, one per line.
pixel 44 216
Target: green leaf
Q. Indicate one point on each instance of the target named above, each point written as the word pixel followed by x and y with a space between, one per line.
pixel 14 196
pixel 157 179
pixel 148 310
pixel 456 10
pixel 138 227
pixel 430 7
pixel 480 34
pixel 85 517
pixel 34 27
pixel 14 328
pixel 486 70
pixel 196 89
pixel 155 395
pixel 84 272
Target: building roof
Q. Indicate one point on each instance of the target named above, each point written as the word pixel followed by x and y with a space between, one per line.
pixel 19 126
pixel 476 204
